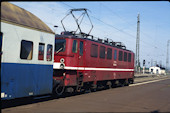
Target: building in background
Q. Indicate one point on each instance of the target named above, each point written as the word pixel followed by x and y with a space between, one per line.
pixel 157 70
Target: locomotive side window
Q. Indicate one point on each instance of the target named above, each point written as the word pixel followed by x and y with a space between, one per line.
pixel 94 50
pixel 109 53
pixel 125 56
pixel 129 57
pixel 49 52
pixel 60 45
pixel 41 51
pixel 74 48
pixel 26 50
pixel 120 55
pixel 102 52
pixel 115 54
pixel 81 48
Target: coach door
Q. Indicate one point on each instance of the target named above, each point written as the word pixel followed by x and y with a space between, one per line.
pixel 81 53
pixel 0 47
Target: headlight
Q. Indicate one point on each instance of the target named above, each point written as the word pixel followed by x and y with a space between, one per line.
pixel 62 66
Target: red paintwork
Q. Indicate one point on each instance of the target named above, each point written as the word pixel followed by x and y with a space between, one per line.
pixel 75 60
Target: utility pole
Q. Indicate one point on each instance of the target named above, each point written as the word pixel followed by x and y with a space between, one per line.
pixel 167 57
pixel 137 44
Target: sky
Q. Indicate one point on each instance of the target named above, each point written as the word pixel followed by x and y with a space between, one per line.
pixel 116 20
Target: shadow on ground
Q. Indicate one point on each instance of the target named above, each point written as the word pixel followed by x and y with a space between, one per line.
pixel 156 111
pixel 37 99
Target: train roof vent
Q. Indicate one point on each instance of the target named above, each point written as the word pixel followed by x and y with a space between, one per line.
pixel 112 43
pixel 100 40
pixel 120 45
pixel 106 41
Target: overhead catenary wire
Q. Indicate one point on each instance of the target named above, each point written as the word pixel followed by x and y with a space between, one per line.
pixel 115 14
pixel 146 43
pixel 129 25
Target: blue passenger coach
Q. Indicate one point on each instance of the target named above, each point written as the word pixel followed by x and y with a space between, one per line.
pixel 27 50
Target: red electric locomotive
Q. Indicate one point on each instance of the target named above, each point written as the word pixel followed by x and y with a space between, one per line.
pixel 82 62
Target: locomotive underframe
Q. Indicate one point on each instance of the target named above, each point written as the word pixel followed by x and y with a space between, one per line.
pixel 76 81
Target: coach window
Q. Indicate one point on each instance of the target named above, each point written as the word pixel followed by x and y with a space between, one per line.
pixel 125 56
pixel 26 50
pixel 109 53
pixel 129 57
pixel 115 54
pixel 49 52
pixel 81 48
pixel 74 48
pixel 41 51
pixel 102 52
pixel 94 50
pixel 120 55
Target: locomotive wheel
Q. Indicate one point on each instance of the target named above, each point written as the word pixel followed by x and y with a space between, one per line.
pixel 93 88
pixel 131 81
pixel 126 82
pixel 109 85
pixel 87 90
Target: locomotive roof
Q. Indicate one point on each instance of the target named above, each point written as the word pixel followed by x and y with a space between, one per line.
pixel 17 15
pixel 76 37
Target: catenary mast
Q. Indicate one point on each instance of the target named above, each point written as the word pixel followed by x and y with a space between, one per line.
pixel 137 43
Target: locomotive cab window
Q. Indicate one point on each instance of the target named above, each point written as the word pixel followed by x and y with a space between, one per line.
pixel 74 47
pixel 120 55
pixel 109 53
pixel 125 56
pixel 129 57
pixel 102 52
pixel 94 50
pixel 49 52
pixel 41 51
pixel 26 50
pixel 81 48
pixel 60 45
